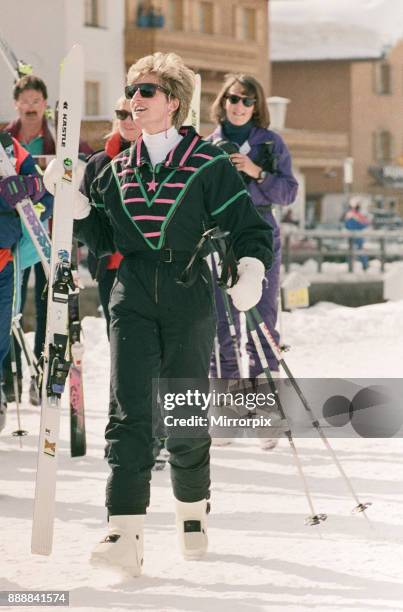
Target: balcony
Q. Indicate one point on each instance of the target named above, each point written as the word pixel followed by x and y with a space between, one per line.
pixel 198 50
pixel 317 149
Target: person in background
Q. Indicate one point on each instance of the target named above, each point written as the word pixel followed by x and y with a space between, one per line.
pixel 356 221
pixel 31 128
pixel 26 181
pixel 142 19
pixel 32 131
pixel 263 160
pixel 157 18
pixel 124 132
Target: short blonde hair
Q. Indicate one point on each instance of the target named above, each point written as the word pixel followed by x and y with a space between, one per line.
pixel 172 74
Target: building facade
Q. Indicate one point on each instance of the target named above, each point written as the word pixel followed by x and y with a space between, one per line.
pixel 42 34
pixel 343 79
pixel 360 101
pixel 213 38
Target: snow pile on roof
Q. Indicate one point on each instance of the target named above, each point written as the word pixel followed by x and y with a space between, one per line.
pixel 333 29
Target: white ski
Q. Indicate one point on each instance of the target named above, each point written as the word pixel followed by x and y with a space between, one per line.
pixel 193 117
pixel 25 208
pixel 56 359
pixel 17 67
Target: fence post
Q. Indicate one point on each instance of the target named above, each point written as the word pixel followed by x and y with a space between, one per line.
pixel 320 256
pixel 350 254
pixel 287 252
pixel 383 253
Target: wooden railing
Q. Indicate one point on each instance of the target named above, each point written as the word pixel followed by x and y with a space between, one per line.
pixel 293 249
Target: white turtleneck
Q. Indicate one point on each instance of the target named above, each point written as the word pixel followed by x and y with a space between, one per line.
pixel 159 145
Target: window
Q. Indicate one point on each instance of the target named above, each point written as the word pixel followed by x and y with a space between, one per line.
pixel 234 28
pixel 383 81
pixel 175 12
pixel 92 98
pixel 206 102
pixel 249 24
pixel 207 17
pixel 92 13
pixel 383 146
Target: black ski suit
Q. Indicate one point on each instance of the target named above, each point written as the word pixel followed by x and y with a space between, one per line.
pixel 159 328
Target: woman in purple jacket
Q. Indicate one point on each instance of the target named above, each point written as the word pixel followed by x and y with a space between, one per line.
pixel 264 162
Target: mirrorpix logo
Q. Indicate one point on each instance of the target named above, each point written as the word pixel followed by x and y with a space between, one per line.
pixel 374 411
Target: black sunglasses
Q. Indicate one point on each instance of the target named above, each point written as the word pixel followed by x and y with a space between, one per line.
pixel 123 114
pixel 147 90
pixel 234 99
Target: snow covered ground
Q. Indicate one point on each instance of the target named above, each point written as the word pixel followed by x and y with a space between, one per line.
pixel 261 557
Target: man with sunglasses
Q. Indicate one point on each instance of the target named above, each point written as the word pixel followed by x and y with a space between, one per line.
pixel 154 202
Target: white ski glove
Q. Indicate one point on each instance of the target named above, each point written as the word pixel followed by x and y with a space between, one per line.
pixel 54 173
pixel 246 293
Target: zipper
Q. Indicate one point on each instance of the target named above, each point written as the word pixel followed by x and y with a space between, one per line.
pixel 156 283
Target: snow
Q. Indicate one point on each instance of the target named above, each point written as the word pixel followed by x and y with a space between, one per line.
pixel 333 29
pixel 261 557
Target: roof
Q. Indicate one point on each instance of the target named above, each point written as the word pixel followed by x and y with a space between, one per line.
pixel 302 30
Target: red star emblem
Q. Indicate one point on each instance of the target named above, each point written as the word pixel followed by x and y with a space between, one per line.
pixel 152 185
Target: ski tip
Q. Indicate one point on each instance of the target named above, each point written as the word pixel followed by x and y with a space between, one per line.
pixel 75 54
pixel 77 48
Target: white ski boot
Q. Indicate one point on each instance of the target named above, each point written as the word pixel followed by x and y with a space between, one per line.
pixel 191 522
pixel 122 548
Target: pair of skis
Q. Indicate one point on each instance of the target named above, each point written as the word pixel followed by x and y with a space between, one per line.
pixel 42 243
pixel 56 259
pixel 57 362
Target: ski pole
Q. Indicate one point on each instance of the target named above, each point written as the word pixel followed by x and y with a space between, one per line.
pixel 76 391
pixel 360 507
pixel 314 518
pixel 232 332
pixel 216 341
pixel 217 356
pixel 19 432
pixel 215 239
pixel 30 358
pixel 56 361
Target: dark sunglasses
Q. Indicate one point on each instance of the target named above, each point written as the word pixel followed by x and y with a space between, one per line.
pixel 234 99
pixel 123 114
pixel 147 90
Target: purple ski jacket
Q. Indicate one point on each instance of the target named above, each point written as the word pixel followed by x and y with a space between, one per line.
pixel 279 187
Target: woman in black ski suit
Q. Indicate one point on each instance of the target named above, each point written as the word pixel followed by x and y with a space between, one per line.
pixel 153 203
